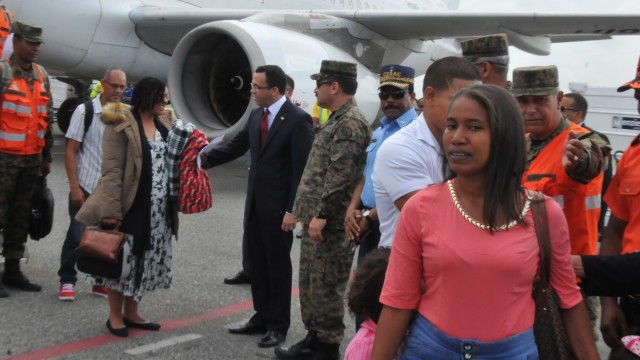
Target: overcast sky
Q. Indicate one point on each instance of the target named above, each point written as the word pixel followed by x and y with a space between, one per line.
pixel 608 63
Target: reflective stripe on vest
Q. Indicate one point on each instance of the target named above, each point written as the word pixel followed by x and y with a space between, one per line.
pixel 20 109
pixel 12 137
pixel 593 202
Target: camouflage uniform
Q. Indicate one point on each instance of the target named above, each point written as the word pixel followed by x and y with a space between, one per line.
pixel 19 173
pixel 335 165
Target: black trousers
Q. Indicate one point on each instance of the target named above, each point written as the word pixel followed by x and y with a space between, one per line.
pixel 271 272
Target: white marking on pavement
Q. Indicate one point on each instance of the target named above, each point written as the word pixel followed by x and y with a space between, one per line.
pixel 161 344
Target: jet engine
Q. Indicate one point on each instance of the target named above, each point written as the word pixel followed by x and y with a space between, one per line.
pixel 212 66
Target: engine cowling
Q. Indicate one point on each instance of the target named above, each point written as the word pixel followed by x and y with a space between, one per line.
pixel 211 69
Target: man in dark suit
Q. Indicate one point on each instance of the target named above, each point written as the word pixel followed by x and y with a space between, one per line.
pixel 279 136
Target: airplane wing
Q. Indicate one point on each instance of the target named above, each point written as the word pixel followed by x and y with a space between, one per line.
pixel 162 28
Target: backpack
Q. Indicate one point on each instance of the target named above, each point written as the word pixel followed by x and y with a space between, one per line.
pixel 66 111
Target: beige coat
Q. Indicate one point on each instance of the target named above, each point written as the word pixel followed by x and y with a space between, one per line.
pixel 121 167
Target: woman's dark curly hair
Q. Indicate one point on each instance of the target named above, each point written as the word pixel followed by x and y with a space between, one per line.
pixel 364 294
pixel 148 92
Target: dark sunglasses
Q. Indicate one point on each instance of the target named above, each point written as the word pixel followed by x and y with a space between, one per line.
pixel 396 94
pixel 319 83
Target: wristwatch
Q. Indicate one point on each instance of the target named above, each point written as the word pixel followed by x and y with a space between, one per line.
pixel 367 216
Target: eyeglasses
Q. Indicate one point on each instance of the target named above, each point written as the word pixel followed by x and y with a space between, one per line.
pixel 117 86
pixel 258 87
pixel 565 108
pixel 396 94
pixel 319 83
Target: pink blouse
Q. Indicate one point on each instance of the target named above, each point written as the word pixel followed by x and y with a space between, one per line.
pixel 478 285
pixel 361 345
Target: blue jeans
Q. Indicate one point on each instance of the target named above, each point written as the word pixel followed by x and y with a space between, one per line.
pixel 425 341
pixel 67 270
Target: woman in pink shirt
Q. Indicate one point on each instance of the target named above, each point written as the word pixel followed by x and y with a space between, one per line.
pixel 471 242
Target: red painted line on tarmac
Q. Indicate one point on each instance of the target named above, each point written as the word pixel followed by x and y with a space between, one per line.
pixel 104 339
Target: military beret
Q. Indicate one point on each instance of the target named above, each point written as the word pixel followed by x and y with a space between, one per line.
pixel 535 80
pixel 341 69
pixel 31 33
pixel 632 84
pixel 397 76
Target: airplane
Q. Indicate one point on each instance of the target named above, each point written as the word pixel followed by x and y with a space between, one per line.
pixel 207 49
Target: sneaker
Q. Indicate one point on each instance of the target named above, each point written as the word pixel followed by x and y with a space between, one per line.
pixel 66 292
pixel 99 291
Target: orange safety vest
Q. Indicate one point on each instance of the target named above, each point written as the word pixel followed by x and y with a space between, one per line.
pixel 23 116
pixel 580 202
pixel 6 19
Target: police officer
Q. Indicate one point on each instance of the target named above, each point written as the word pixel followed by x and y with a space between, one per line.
pixel 333 170
pixel 25 147
pixel 396 97
pixel 491 55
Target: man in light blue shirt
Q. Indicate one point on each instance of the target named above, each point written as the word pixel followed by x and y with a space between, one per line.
pixel 396 98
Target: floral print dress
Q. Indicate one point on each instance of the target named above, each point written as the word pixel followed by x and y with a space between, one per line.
pixel 156 263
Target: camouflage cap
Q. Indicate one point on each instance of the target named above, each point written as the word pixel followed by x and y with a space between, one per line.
pixel 632 84
pixel 31 33
pixel 535 80
pixel 491 48
pixel 397 76
pixel 341 69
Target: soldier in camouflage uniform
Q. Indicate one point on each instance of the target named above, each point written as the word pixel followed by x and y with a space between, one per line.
pixel 564 160
pixel 25 147
pixel 491 55
pixel 333 169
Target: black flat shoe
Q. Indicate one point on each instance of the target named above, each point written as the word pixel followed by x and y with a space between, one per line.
pixel 122 332
pixel 271 339
pixel 151 326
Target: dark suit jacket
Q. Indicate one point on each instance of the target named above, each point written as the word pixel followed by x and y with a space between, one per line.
pixel 276 167
pixel 616 275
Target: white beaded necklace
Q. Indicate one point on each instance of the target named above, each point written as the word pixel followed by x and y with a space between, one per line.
pixel 464 214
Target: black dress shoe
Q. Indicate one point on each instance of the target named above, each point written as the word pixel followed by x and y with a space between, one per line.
pixel 248 328
pixel 271 339
pixel 122 332
pixel 240 278
pixel 151 326
pixel 300 350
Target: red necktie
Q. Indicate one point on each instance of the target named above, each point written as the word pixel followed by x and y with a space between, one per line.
pixel 264 126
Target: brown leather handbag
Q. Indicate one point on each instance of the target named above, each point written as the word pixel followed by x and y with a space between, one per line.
pixel 101 244
pixel 548 328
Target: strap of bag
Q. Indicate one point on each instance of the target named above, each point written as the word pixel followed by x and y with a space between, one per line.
pixel 88 118
pixel 541 224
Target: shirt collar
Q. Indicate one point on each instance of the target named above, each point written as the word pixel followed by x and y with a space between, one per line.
pixel 424 133
pixel 275 107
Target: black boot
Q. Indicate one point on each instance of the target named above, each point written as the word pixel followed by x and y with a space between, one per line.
pixel 3 291
pixel 326 351
pixel 13 277
pixel 299 351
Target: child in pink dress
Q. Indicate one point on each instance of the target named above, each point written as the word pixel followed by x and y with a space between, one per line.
pixel 363 300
